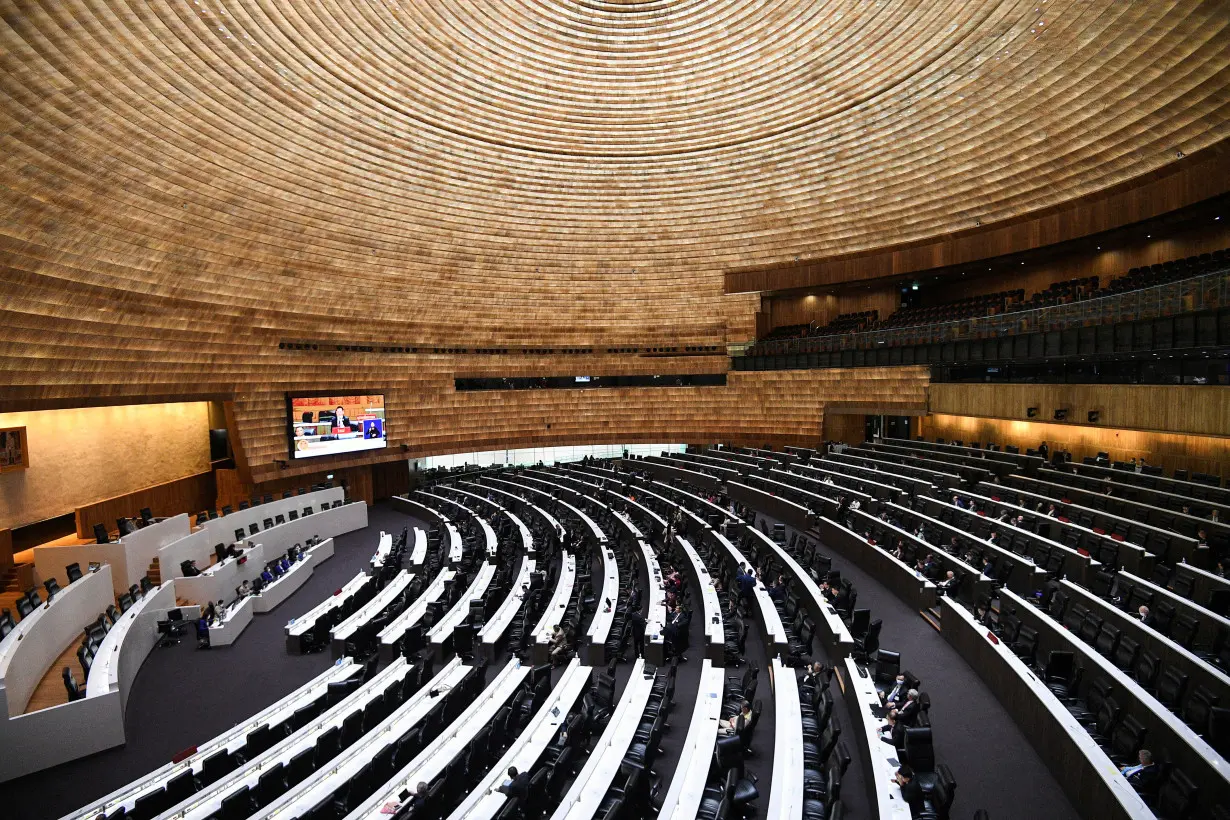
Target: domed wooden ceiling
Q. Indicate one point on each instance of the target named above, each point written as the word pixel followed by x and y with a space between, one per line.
pixel 555 169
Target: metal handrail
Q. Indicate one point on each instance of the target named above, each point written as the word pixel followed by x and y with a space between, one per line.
pixel 1205 292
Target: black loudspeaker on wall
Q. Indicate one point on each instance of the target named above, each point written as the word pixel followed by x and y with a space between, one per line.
pixel 1061 415
pixel 1031 412
pixel 1093 416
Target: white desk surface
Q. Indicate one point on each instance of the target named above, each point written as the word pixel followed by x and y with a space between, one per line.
pixel 1080 649
pixel 768 613
pixel 383 549
pixel 862 692
pixel 655 616
pixel 1079 594
pixel 577 511
pixel 527 539
pixel 688 784
pixel 456 548
pixel 717 508
pixel 711 606
pixel 662 522
pixel 1206 615
pixel 485 801
pixel 373 607
pixel 300 625
pixel 414 613
pixel 550 519
pixel 675 504
pixel 104 673
pixel 600 625
pixel 590 786
pixel 233 622
pixel 418 553
pixel 786 793
pixel 39 638
pixel 502 618
pixel 441 751
pixel 301 799
pixel 205 803
pixel 285 584
pixel 1131 802
pixel 440 631
pixel 488 533
pixel 232 740
pixel 832 621
pixel 222 529
pixel 632 529
pixel 558 605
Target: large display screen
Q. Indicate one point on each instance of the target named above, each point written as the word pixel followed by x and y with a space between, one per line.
pixel 332 425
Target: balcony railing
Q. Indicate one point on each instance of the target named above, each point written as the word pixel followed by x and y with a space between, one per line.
pixel 1205 292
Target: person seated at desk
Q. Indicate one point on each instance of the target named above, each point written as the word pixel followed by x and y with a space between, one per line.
pixel 893 731
pixel 517 784
pixel 211 613
pixel 339 418
pixel 813 676
pixel 1051 512
pixel 950 580
pixel 899 549
pixel 189 568
pixel 558 643
pixel 245 589
pixel 1143 776
pixel 730 725
pixel 898 694
pixel 267 576
pixel 1145 617
pixel 777 591
pixel 908 712
pixel 1043 450
pixel 911 792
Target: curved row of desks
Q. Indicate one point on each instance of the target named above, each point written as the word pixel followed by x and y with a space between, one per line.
pixel 57 734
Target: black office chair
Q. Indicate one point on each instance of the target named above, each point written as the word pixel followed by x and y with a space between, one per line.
pixel 70 685
pixel 73 571
pixel 52 587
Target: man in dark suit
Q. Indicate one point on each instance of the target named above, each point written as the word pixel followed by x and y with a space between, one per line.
pixel 637 621
pixel 911 792
pixel 1145 617
pixel 907 712
pixel 516 785
pixel 1143 777
pixel 897 695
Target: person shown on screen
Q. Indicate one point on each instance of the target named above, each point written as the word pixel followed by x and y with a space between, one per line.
pixel 339 417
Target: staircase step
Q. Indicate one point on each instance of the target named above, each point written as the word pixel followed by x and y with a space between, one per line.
pixel 932 617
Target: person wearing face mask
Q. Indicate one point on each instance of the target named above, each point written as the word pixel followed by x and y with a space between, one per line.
pixel 897 694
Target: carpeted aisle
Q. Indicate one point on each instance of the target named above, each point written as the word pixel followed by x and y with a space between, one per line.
pixel 183 696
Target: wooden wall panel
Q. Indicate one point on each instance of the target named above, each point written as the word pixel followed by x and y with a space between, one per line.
pixel 822 308
pixel 1111 262
pixel 1205 454
pixel 1187 180
pixel 431 418
pixel 83 455
pixel 6 550
pixel 188 494
pixel 389 479
pixel 1156 408
pixel 232 489
pixel 849 428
